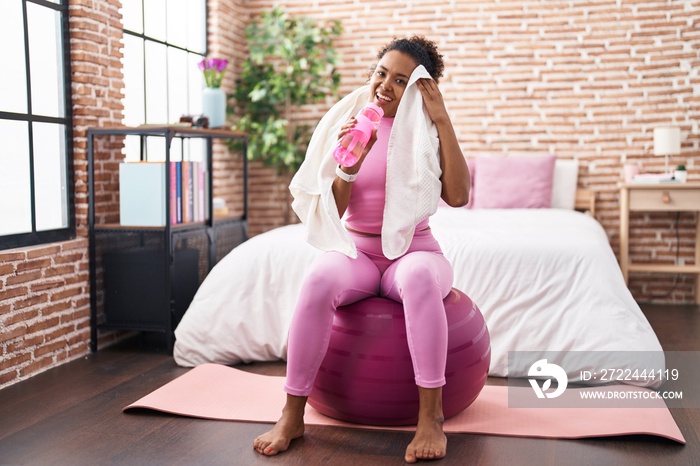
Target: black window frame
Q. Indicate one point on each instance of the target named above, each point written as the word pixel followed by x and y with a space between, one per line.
pixel 67 233
pixel 146 38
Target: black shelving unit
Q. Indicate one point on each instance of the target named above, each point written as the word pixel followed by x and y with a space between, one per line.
pixel 144 278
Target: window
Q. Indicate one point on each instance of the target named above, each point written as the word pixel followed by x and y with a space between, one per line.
pixel 36 163
pixel 163 42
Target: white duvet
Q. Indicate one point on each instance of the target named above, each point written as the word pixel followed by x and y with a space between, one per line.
pixel 545 280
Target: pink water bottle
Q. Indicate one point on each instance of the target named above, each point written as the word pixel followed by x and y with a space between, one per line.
pixel 350 147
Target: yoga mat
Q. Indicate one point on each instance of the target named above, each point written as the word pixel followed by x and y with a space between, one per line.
pixel 213 391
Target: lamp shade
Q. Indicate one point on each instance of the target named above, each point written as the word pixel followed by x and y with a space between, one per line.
pixel 667 140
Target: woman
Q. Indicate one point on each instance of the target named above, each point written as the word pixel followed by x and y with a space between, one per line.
pixel 367 257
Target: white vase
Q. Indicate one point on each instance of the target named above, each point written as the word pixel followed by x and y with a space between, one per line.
pixel 214 106
pixel 680 175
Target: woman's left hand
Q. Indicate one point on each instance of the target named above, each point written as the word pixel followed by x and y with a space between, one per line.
pixel 455 173
pixel 432 98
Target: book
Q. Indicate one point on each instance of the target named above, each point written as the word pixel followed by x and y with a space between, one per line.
pixel 653 178
pixel 142 195
pixel 195 191
pixel 190 192
pixel 173 192
pixel 201 196
pixel 186 192
pixel 179 191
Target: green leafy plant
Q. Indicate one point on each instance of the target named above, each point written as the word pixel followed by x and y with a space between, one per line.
pixel 291 63
pixel 680 167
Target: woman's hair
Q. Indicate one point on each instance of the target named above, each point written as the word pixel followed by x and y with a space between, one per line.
pixel 422 50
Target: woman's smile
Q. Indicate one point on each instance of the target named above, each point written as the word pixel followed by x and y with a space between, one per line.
pixel 389 80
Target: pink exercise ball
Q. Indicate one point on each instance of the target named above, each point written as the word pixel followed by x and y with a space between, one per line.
pixel 367 375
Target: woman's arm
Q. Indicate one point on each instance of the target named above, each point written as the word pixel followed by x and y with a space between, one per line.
pixel 341 188
pixel 341 192
pixel 455 174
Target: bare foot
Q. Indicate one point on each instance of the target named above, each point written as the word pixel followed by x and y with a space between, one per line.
pixel 278 439
pixel 289 427
pixel 429 443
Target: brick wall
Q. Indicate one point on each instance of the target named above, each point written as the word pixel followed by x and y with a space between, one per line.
pixel 44 308
pixel 226 22
pixel 585 79
pixel 44 290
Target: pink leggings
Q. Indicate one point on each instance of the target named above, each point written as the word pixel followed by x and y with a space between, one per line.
pixel 420 279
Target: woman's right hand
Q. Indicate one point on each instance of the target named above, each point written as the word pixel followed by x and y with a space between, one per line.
pixel 345 129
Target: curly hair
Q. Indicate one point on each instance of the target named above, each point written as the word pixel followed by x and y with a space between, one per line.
pixel 422 50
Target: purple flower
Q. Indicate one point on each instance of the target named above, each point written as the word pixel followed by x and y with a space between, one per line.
pixel 219 64
pixel 213 69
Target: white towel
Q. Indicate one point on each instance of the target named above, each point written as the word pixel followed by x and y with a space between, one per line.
pixel 412 180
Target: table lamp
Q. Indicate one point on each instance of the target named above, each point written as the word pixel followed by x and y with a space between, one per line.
pixel 667 141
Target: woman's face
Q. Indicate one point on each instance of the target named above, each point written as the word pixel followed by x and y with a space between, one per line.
pixel 388 82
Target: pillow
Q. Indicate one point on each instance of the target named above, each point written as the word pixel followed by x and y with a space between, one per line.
pixel 513 182
pixel 564 184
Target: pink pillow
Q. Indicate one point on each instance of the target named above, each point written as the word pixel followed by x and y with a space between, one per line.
pixel 513 182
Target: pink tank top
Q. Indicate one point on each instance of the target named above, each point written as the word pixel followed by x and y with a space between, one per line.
pixel 366 209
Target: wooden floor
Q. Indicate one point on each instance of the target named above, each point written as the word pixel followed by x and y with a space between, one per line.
pixel 72 415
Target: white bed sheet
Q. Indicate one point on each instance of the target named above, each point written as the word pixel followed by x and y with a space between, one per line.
pixel 545 280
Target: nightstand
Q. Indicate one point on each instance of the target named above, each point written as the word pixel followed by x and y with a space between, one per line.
pixel 659 197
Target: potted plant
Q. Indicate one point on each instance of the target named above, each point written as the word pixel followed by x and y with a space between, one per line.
pixel 291 63
pixel 680 174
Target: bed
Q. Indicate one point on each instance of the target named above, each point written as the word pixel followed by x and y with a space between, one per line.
pixel 545 279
